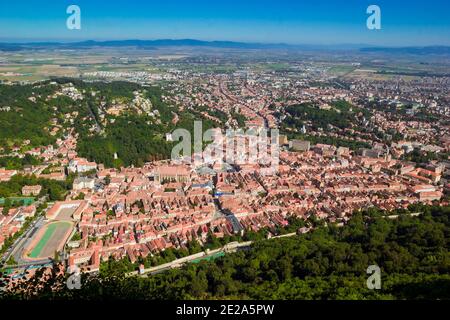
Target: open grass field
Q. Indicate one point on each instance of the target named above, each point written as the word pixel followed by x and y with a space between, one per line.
pixel 340 70
pixel 33 72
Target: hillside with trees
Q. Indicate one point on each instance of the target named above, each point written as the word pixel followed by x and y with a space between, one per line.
pixel 25 115
pixel 131 137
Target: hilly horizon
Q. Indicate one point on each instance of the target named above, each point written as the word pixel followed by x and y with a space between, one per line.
pixel 153 44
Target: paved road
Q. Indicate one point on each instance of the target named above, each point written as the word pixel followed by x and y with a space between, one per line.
pixel 18 246
pixel 230 247
pixel 98 128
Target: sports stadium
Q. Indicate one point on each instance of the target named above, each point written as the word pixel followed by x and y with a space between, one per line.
pixel 53 235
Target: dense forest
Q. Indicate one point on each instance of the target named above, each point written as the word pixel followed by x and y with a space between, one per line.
pixel 329 262
pixel 16 163
pixel 23 119
pixel 131 138
pixel 134 139
pixel 341 115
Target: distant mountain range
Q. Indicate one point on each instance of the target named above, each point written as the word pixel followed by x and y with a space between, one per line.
pixel 147 44
pixel 153 44
pixel 411 50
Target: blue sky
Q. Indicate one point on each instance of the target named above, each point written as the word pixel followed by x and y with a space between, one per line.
pixel 404 22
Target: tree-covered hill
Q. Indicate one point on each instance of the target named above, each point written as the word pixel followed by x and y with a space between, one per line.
pixel 134 136
pixel 21 118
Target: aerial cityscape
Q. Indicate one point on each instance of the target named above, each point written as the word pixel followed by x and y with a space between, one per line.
pixel 182 169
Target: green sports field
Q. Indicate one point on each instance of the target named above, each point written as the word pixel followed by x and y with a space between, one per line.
pixel 25 200
pixel 212 257
pixel 50 240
